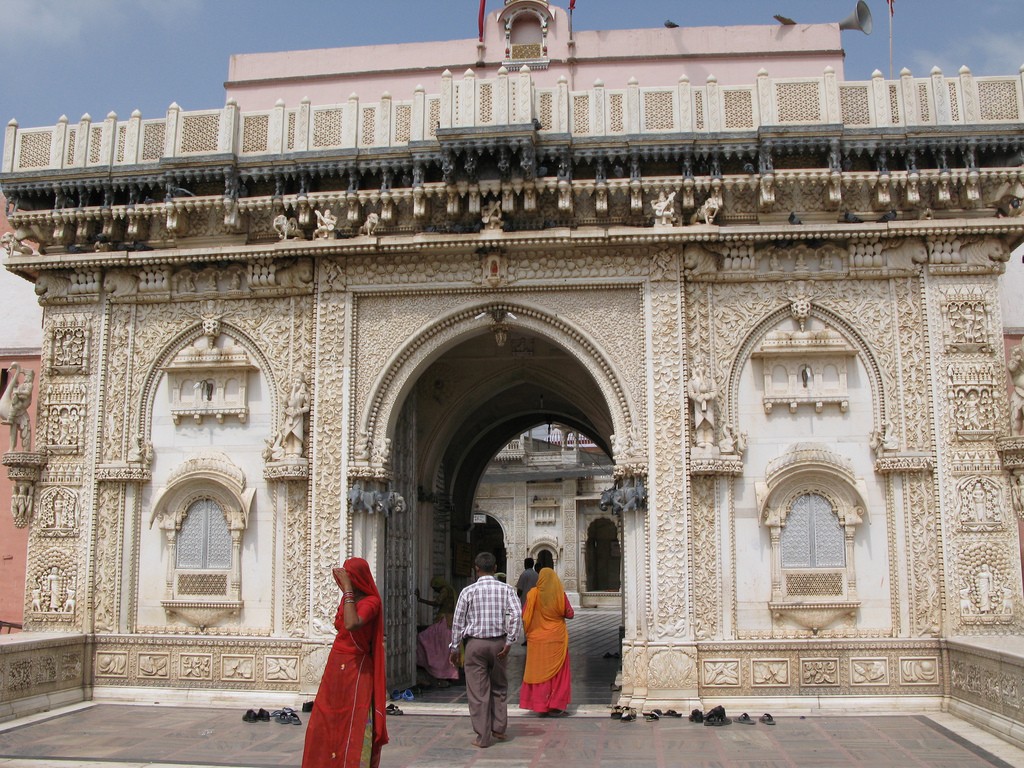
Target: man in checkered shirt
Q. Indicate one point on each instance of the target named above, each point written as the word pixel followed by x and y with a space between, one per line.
pixel 488 619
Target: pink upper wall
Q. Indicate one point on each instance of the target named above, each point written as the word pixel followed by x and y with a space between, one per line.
pixel 653 56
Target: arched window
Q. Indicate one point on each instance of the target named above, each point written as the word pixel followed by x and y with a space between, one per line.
pixel 204 542
pixel 813 537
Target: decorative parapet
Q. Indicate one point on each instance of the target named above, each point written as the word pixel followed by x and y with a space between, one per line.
pixel 513 99
pixel 123 472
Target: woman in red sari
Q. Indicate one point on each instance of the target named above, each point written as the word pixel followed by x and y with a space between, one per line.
pixel 547 684
pixel 347 727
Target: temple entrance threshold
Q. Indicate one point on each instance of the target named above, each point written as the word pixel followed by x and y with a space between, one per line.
pixel 594 657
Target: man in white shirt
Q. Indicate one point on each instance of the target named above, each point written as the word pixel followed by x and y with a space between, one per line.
pixel 488 617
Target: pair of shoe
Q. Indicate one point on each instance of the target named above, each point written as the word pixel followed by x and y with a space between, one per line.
pixel 252 716
pixel 666 713
pixel 716 716
pixel 286 716
pixel 392 709
pixel 407 694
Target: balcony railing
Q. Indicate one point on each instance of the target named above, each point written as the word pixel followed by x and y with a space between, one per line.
pixel 513 99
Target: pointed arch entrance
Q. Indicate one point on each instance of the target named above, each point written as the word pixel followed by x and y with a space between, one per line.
pixel 463 388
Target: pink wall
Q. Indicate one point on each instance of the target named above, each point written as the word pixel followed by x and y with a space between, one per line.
pixel 653 56
pixel 13 541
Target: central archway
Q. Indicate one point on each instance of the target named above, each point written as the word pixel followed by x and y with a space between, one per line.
pixel 462 392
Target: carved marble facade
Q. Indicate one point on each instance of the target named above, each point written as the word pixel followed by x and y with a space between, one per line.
pixel 794 409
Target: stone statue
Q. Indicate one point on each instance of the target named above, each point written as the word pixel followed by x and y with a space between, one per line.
pixel 370 225
pixel 703 395
pixel 491 218
pixel 664 209
pixel 21 503
pixel 708 211
pixel 326 223
pixel 69 599
pixel 14 245
pixel 37 600
pixel 141 452
pixel 287 227
pixel 14 405
pixel 983 581
pixel 293 435
pixel 885 439
pixel 731 442
pixel 1016 368
pixel 51 586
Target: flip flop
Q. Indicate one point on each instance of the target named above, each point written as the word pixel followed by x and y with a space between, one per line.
pixel 745 719
pixel 287 716
pixel 767 719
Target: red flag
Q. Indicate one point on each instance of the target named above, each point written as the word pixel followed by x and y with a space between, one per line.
pixel 481 20
pixel 892 5
pixel 572 4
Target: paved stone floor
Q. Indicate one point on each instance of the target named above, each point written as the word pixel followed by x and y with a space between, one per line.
pixel 435 732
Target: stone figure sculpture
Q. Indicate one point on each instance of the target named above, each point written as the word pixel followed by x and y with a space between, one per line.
pixel 491 218
pixel 370 225
pixel 326 223
pixel 1016 368
pixel 14 405
pixel 664 209
pixel 295 410
pixel 629 499
pixel 708 211
pixel 14 245
pixel 703 395
pixel 287 227
pixel 141 451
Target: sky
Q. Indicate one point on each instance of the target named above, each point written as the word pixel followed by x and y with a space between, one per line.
pixel 69 57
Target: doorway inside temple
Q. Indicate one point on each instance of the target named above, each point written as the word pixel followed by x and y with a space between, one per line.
pixel 510 436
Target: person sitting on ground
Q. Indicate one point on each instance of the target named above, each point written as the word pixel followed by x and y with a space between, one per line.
pixel 432 643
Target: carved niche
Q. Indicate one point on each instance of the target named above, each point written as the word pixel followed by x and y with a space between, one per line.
pixel 210 378
pixel 806 366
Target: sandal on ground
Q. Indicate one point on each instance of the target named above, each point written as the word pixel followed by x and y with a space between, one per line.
pixel 650 716
pixel 767 719
pixel 745 719
pixel 287 716
pixel 392 709
pixel 628 716
pixel 671 713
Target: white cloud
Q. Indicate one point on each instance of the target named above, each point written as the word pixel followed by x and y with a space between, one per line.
pixel 989 54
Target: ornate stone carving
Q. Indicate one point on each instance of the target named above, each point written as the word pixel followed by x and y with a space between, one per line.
pixel 14 403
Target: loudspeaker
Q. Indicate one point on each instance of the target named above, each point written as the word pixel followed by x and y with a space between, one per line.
pixel 860 19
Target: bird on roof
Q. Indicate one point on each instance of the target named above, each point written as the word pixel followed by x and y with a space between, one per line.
pixel 794 219
pixel 851 218
pixel 888 216
pixel 670 24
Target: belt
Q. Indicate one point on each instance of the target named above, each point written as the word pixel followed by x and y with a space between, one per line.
pixel 496 637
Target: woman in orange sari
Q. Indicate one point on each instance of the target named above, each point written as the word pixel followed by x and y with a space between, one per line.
pixel 347 727
pixel 547 683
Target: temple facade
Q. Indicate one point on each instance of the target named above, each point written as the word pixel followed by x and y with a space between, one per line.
pixel 293 329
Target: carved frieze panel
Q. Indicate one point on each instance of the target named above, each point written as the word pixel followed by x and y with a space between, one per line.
pixel 968 326
pixel 919 670
pixel 58 512
pixel 156 666
pixel 673 669
pixel 981 504
pixel 720 673
pixel 819 672
pixel 68 349
pixel 112 664
pixel 869 671
pixel 281 669
pixel 769 673
pixel 196 666
pixel 65 410
pixel 237 668
pixel 972 393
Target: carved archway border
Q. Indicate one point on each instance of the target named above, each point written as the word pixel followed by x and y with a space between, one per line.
pixel 408 361
pixel 864 354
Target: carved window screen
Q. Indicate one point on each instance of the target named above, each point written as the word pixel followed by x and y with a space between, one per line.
pixel 812 537
pixel 204 542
